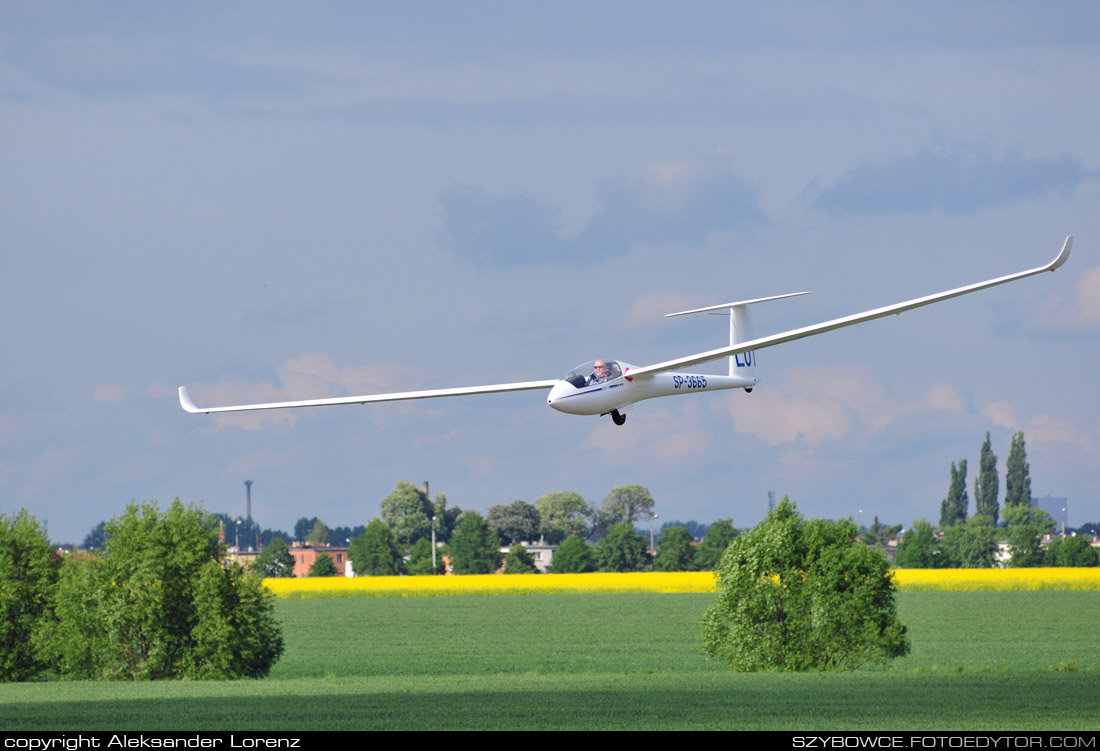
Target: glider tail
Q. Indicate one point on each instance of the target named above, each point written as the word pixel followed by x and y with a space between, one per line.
pixel 742 364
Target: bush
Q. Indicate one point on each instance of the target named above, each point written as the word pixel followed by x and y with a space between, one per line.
pixel 573 556
pixel 374 553
pixel 160 603
pixel 803 595
pixel 519 561
pixel 28 574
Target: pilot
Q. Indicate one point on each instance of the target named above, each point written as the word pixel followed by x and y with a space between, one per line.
pixel 600 372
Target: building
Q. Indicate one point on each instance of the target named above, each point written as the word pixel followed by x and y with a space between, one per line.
pixel 305 555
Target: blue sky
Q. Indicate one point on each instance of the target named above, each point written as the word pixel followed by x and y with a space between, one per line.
pixel 267 201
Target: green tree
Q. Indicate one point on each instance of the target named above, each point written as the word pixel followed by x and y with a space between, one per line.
pixel 622 549
pixel 516 522
pixel 1017 479
pixel 322 566
pixel 420 559
pixel 878 534
pixel 1071 551
pixel 519 561
pixel 919 547
pixel 719 536
pixel 374 553
pixel 408 512
pixel 96 539
pixel 953 508
pixel 275 560
pixel 445 518
pixel 1026 527
pixel 302 528
pixel 475 546
pixel 573 556
pixel 625 503
pixel 160 603
pixel 986 485
pixel 561 514
pixel 675 551
pixel 972 544
pixel 801 595
pixel 28 576
pixel 318 536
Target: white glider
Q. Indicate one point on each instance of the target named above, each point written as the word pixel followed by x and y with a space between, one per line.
pixel 610 387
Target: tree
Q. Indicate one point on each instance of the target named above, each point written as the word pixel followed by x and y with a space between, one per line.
pixel 674 551
pixel 445 518
pixel 517 521
pixel 323 566
pixel 303 527
pixel 953 509
pixel 626 503
pixel 1026 527
pixel 318 536
pixel 275 560
pixel 420 559
pixel 561 514
pixel 622 549
pixel 573 556
pixel 986 483
pixel 160 603
pixel 972 544
pixel 1071 551
pixel 1017 481
pixel 802 595
pixel 719 536
pixel 475 546
pixel 96 539
pixel 519 561
pixel 697 530
pixel 28 575
pixel 919 547
pixel 374 553
pixel 408 512
pixel 878 534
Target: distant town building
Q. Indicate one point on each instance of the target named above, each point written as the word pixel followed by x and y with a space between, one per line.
pixel 305 555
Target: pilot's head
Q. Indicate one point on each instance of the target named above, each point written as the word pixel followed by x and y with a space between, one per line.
pixel 600 367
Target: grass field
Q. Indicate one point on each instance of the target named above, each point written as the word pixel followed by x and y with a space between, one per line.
pixel 980 660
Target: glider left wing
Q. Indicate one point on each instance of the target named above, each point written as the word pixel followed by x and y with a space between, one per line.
pixel 189 406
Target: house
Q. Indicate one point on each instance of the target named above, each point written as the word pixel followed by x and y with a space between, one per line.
pixel 305 555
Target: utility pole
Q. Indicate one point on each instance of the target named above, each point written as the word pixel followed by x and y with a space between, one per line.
pixel 248 500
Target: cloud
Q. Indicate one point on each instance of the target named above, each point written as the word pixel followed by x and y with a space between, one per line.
pixel 667 204
pixel 312 375
pixel 828 403
pixel 1078 312
pixel 956 178
pixel 109 394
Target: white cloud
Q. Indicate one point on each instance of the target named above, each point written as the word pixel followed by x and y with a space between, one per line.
pixel 1078 312
pixel 311 375
pixel 107 394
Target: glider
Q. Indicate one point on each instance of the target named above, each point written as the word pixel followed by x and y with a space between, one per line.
pixel 611 387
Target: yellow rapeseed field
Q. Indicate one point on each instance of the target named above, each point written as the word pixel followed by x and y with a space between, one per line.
pixel 908 580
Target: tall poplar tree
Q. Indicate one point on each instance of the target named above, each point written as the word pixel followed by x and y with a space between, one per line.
pixel 1017 481
pixel 986 483
pixel 953 507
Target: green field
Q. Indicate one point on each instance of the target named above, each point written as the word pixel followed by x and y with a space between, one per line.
pixel 980 660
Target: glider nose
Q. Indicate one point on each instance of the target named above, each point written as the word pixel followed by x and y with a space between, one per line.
pixel 558 392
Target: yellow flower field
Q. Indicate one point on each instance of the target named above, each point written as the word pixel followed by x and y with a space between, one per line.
pixel 908 580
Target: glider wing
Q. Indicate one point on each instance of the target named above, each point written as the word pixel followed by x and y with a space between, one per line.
pixel 837 323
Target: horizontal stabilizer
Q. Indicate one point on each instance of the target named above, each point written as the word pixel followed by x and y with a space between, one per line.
pixel 740 304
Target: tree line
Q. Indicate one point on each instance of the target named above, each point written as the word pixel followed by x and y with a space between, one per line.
pixel 972 541
pixel 158 600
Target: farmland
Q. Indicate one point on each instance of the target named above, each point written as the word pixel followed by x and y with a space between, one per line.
pixel 980 660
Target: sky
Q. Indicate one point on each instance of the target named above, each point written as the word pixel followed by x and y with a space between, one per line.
pixel 274 200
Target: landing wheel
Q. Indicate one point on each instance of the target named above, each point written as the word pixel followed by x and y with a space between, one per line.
pixel 617 417
pixel 748 390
